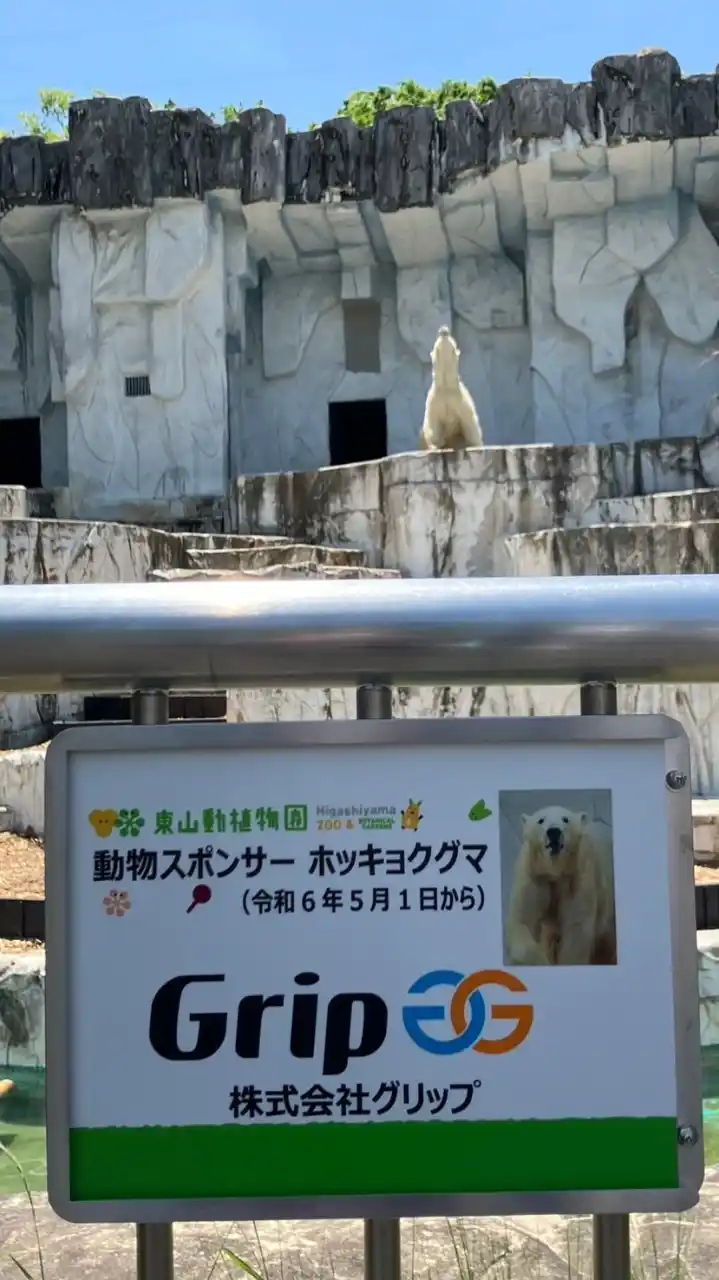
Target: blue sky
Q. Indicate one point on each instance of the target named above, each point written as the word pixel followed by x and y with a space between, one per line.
pixel 302 60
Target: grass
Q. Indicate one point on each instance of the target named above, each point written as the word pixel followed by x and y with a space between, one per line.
pixel 20 1266
pixel 457 1249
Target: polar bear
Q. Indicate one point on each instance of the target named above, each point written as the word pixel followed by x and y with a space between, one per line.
pixel 561 908
pixel 450 418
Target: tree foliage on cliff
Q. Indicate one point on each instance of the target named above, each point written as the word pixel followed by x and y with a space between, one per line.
pixel 362 106
pixel 50 122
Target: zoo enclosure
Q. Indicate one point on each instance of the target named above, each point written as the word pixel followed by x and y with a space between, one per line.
pixel 153 638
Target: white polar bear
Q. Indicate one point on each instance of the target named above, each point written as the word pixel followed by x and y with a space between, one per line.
pixel 450 418
pixel 561 908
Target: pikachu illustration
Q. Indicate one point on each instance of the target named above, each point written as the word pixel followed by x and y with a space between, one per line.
pixel 412 816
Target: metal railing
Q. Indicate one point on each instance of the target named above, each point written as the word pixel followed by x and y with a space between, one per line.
pixel 216 635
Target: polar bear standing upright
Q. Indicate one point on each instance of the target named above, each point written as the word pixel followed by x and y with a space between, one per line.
pixel 450 418
pixel 561 909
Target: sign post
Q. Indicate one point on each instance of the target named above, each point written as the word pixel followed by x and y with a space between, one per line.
pixel 155 1246
pixel 610 1231
pixel 343 969
pixel 382 1236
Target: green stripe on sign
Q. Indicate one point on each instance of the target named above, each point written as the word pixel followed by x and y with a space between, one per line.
pixel 219 1161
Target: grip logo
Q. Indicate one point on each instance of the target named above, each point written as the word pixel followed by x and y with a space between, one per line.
pixel 194 1016
pixel 468 1013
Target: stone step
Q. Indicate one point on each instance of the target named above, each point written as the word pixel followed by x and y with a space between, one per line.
pixel 13 502
pixel 690 546
pixel 655 508
pixel 265 557
pixel 705 816
pixel 225 541
pixel 273 571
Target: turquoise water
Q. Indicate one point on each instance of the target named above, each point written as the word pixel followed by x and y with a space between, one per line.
pixel 22 1128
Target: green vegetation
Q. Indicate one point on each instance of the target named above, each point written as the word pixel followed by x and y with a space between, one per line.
pixel 49 121
pixel 363 105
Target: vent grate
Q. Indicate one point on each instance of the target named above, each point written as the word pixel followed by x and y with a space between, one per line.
pixel 138 385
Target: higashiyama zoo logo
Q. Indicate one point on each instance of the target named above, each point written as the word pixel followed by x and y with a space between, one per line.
pixel 467 1011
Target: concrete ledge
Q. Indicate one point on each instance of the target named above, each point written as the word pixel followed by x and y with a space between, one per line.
pixel 13 502
pixel 705 816
pixel 300 570
pixel 656 508
pixel 690 546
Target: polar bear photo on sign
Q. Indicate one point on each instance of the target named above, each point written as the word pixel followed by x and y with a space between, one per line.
pixel 450 416
pixel 560 908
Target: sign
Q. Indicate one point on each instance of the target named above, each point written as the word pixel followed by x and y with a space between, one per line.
pixel 371 969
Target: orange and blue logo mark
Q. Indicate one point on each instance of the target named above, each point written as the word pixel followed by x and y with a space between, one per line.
pixel 468 1012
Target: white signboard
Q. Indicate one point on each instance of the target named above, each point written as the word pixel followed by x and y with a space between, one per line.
pixel 380 968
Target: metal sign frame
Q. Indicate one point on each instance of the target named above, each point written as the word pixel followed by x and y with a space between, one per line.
pixel 401 734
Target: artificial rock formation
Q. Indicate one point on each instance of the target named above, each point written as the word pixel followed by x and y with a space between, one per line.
pixel 183 291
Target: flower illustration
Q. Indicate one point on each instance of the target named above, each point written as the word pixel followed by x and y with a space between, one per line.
pixel 130 823
pixel 117 903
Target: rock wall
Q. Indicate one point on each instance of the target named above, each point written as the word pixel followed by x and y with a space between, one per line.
pixel 175 295
pixel 22 1037
pixel 13 367
pixel 22 775
pixel 22 1011
pixel 296 367
pixel 138 353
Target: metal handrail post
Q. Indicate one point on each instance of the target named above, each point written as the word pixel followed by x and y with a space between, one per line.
pixel 610 1231
pixel 382 1247
pixel 155 1252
